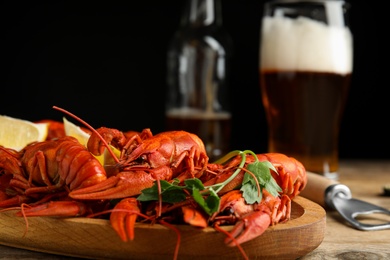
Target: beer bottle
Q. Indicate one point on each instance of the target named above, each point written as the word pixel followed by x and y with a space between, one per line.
pixel 197 77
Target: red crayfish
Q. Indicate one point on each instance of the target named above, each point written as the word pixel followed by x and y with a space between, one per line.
pixel 43 168
pixel 61 165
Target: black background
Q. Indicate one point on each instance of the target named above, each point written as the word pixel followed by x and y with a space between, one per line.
pixel 106 62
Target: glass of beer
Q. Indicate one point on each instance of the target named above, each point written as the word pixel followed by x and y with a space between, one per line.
pixel 306 52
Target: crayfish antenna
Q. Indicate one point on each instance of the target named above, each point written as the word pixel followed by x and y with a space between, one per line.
pixel 231 237
pixel 21 208
pixel 90 128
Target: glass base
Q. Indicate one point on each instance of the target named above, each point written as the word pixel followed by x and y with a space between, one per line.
pixel 331 175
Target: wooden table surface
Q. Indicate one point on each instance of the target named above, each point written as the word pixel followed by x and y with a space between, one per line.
pixel 366 179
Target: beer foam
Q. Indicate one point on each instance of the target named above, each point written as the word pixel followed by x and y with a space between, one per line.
pixel 305 44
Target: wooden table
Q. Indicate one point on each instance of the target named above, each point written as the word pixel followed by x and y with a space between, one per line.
pixel 366 180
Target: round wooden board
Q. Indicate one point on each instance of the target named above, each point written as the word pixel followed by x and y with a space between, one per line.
pixel 95 239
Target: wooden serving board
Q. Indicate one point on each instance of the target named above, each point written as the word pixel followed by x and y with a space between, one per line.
pixel 95 239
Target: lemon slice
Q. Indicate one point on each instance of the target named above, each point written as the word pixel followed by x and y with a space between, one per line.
pixel 16 133
pixel 75 131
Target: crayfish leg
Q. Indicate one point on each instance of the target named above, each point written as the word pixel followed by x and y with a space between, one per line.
pixel 123 218
pixel 54 209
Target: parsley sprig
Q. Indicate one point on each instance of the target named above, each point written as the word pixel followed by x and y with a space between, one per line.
pixel 256 178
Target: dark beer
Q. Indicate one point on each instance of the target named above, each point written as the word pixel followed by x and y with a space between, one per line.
pixel 214 129
pixel 305 70
pixel 304 111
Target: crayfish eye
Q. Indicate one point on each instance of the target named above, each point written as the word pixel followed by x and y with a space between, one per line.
pixel 228 211
pixel 142 159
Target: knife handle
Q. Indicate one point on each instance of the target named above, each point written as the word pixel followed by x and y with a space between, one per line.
pixel 317 188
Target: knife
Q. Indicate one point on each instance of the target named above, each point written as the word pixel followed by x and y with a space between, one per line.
pixel 331 194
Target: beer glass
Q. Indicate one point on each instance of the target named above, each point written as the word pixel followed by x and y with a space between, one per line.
pixel 305 69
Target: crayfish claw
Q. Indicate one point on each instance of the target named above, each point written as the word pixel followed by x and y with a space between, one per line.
pixel 194 217
pixel 112 136
pixel 249 227
pixel 123 218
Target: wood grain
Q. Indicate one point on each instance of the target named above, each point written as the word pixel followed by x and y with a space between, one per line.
pixel 94 238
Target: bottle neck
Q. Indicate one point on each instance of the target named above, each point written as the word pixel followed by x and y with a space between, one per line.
pixel 202 13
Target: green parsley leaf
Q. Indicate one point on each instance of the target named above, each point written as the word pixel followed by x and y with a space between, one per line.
pixel 262 172
pixel 170 193
pixel 194 183
pixel 210 204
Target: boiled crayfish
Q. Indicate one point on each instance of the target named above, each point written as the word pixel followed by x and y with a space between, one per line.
pixel 144 159
pixel 44 168
pixel 252 216
pixel 149 164
pixel 252 219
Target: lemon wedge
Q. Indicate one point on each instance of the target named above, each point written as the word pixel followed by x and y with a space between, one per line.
pixel 75 131
pixel 16 133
